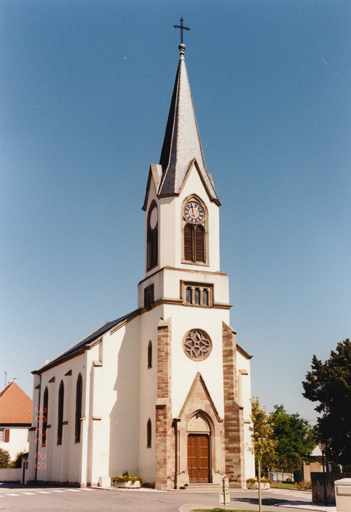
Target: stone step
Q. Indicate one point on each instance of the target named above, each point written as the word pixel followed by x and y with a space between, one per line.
pixel 204 487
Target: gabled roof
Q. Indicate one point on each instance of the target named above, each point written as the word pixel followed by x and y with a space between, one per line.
pixel 87 342
pixel 15 406
pixel 182 143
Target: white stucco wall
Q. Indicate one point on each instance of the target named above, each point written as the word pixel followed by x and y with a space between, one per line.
pixel 18 441
pixel 244 392
pixel 184 369
pixel 110 412
pixel 122 368
pixel 148 392
pixel 57 463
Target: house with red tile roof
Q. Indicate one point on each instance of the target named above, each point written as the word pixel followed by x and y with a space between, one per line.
pixel 15 419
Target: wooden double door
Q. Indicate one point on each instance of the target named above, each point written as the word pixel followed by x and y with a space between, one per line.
pixel 199 458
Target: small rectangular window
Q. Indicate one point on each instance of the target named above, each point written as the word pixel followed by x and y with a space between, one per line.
pixel 2 435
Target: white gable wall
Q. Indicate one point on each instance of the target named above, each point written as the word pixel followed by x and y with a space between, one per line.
pixel 110 411
pixel 193 184
pixel 18 441
pixel 171 225
pixel 66 457
pixel 184 369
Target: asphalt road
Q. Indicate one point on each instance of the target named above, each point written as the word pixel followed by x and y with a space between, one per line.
pixel 20 498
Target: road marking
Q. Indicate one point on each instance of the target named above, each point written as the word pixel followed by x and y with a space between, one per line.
pixel 28 493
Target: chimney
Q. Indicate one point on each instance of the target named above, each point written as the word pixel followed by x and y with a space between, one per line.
pixel 15 380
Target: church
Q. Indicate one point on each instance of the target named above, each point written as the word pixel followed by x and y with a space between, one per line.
pixel 162 392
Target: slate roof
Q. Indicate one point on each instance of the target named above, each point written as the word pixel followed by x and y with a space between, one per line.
pixel 182 145
pixel 86 342
pixel 15 406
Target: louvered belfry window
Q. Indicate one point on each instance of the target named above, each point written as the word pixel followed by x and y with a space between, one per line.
pixel 188 242
pixel 200 244
pixel 152 238
pixel 194 243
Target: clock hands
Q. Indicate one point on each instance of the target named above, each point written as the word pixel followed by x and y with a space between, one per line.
pixel 194 213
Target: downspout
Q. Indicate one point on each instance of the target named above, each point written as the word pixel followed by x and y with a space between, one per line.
pixel 38 432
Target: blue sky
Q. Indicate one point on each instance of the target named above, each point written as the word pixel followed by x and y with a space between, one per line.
pixel 84 95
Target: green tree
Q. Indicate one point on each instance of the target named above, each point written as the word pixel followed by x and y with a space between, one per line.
pixel 264 446
pixel 17 462
pixel 295 438
pixel 329 384
pixel 4 458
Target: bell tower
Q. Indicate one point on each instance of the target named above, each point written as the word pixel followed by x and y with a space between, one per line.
pixel 192 405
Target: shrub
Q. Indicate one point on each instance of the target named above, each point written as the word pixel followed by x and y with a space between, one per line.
pixel 4 458
pixel 17 463
pixel 298 475
pixel 304 485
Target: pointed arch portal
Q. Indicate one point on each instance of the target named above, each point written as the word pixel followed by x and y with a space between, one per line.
pixel 199 436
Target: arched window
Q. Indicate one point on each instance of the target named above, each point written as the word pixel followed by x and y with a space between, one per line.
pixel 149 434
pixel 152 237
pixel 194 232
pixel 60 413
pixel 45 417
pixel 149 355
pixel 79 398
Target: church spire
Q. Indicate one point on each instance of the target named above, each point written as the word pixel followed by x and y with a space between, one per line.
pixel 181 144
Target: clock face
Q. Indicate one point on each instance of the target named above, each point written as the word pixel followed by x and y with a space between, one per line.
pixel 194 213
pixel 153 218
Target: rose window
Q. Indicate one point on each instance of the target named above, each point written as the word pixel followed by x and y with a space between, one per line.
pixel 197 345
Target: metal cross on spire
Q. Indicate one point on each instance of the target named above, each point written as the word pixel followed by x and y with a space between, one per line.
pixel 182 28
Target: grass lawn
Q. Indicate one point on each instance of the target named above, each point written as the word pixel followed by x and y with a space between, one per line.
pixel 283 485
pixel 303 486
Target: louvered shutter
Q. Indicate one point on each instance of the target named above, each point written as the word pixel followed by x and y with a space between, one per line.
pixel 188 242
pixel 200 244
pixel 154 249
pixel 7 435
